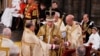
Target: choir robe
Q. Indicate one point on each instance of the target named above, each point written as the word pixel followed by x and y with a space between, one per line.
pixel 33 46
pixel 74 35
pixel 60 24
pixel 8 43
pixel 95 40
pixel 47 34
pixel 8 13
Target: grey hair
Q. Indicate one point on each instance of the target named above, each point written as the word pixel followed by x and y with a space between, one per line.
pixel 81 51
pixel 57 13
pixel 6 32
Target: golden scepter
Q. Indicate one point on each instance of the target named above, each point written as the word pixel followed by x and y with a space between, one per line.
pixel 60 49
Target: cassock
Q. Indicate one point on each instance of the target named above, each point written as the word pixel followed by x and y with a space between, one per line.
pixel 47 34
pixel 95 40
pixel 6 18
pixel 86 28
pixel 33 46
pixel 14 50
pixel 74 35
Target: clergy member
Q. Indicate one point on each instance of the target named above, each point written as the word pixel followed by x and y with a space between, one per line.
pixel 32 45
pixel 8 43
pixel 58 21
pixel 74 32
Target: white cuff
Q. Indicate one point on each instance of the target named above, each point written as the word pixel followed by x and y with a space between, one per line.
pixel 41 37
pixel 54 46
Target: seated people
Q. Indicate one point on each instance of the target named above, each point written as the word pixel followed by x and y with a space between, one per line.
pixel 7 42
pixel 94 39
pixel 80 51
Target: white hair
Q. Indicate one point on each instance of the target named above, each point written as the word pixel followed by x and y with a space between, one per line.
pixel 81 51
pixel 57 13
pixel 6 32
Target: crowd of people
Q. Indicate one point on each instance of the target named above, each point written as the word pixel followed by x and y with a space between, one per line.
pixel 46 32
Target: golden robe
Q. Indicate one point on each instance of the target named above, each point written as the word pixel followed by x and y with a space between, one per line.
pixel 47 32
pixel 32 46
pixel 74 35
pixel 48 35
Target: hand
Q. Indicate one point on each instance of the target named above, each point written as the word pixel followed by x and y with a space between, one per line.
pixel 57 46
pixel 66 44
pixel 90 44
pixel 56 39
pixel 22 16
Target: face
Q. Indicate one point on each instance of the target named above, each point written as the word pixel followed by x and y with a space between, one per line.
pixel 94 31
pixel 69 20
pixel 85 18
pixel 42 6
pixel 54 5
pixel 32 28
pixel 9 35
pixel 50 23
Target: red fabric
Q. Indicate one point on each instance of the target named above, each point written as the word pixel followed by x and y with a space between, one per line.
pixel 32 7
pixel 69 52
pixel 22 7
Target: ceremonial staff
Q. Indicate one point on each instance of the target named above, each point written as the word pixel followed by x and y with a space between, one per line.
pixel 60 49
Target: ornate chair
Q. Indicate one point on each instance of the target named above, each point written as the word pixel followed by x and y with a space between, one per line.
pixel 3 50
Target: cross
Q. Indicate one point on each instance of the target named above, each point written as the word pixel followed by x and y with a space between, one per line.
pixel 50 12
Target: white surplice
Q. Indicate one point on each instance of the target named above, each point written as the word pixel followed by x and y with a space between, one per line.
pixel 95 40
pixel 9 44
pixel 33 46
pixel 8 13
